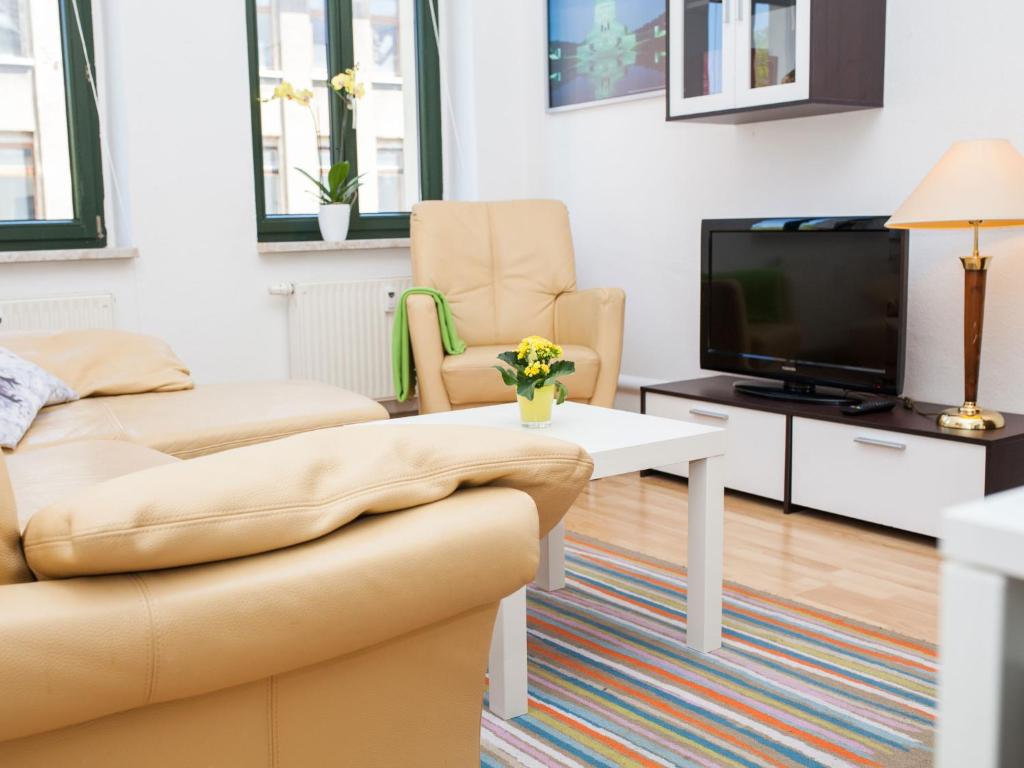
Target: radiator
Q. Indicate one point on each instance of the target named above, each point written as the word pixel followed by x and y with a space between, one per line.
pixel 340 333
pixel 58 313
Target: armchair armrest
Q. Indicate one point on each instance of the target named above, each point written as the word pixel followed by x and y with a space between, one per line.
pixel 274 495
pixel 78 649
pixel 427 353
pixel 594 318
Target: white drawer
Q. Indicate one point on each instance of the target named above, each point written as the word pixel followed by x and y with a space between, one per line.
pixel 755 456
pixel 890 478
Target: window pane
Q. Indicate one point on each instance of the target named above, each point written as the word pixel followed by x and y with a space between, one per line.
pixel 384 40
pixel 318 28
pixel 35 163
pixel 703 26
pixel 12 42
pixel 772 43
pixel 292 35
pixel 272 191
pixel 390 164
pixel 17 177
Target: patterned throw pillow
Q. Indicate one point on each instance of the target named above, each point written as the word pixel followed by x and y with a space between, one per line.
pixel 24 389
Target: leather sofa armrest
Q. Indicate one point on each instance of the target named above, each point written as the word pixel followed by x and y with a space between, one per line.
pixel 594 318
pixel 427 353
pixel 285 492
pixel 78 649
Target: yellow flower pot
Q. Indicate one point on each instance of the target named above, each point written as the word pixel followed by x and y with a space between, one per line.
pixel 536 413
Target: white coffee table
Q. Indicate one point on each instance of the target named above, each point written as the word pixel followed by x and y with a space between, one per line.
pixel 619 442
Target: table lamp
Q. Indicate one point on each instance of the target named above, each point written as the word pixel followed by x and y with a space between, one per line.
pixel 976 184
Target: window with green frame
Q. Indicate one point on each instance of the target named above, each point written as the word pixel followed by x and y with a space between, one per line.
pixel 394 141
pixel 51 181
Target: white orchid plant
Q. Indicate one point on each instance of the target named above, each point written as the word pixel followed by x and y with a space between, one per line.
pixel 339 186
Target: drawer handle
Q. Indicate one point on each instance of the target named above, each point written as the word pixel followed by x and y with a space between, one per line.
pixel 880 443
pixel 710 414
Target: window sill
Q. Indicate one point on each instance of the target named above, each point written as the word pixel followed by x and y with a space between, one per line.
pixel 315 246
pixel 67 254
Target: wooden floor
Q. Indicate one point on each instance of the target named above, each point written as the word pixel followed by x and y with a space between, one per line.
pixel 873 574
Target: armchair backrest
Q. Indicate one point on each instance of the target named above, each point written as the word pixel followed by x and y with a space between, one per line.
pixel 13 569
pixel 500 265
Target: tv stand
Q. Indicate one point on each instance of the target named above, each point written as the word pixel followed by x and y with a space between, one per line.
pixel 793 392
pixel 894 468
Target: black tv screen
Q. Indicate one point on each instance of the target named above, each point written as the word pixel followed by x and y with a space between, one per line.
pixel 808 301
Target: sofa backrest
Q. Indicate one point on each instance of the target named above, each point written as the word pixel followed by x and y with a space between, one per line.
pixel 102 361
pixel 500 265
pixel 13 569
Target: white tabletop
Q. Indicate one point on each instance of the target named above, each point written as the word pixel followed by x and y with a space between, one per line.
pixel 988 533
pixel 618 441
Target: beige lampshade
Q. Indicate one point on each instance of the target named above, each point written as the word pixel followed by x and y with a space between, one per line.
pixel 979 180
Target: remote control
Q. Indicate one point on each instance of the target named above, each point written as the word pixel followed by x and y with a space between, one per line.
pixel 873 405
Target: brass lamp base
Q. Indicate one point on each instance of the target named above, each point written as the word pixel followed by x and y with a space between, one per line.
pixel 970 416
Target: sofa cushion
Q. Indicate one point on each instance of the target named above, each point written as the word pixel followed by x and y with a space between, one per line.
pixel 103 362
pixel 470 378
pixel 500 264
pixel 209 418
pixel 40 478
pixel 24 389
pixel 13 569
pixel 285 492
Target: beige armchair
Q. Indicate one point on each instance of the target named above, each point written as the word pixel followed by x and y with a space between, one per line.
pixel 508 271
pixel 322 599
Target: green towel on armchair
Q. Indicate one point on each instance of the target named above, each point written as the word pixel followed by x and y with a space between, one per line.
pixel 401 354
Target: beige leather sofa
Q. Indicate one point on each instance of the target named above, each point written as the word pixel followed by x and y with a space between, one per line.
pixel 312 598
pixel 133 387
pixel 325 599
pixel 508 271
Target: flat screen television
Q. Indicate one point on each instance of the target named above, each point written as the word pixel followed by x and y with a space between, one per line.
pixel 807 301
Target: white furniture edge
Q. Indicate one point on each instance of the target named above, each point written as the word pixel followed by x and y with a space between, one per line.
pixel 67 254
pixel 981 624
pixel 316 246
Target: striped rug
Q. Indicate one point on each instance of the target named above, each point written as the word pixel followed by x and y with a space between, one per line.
pixel 612 682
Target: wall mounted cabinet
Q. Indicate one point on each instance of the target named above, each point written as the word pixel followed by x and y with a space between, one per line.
pixel 741 61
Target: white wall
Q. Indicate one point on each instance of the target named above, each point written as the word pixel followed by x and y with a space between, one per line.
pixel 638 188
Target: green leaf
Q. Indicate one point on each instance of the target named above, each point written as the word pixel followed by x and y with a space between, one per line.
pixel 526 388
pixel 560 392
pixel 349 192
pixel 562 368
pixel 325 193
pixel 511 359
pixel 509 377
pixel 337 176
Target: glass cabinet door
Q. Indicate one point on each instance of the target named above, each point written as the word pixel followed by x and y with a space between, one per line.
pixel 701 56
pixel 773 52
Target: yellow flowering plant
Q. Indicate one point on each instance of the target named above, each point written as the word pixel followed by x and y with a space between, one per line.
pixel 535 364
pixel 337 187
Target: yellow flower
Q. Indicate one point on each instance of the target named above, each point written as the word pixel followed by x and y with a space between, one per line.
pixel 286 90
pixel 340 80
pixel 346 81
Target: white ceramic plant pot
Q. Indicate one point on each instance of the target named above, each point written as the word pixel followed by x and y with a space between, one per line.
pixel 334 221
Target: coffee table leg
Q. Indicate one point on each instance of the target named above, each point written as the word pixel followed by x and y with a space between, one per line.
pixel 551 573
pixel 507 662
pixel 704 555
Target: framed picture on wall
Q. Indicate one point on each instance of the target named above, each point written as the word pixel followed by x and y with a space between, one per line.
pixel 601 51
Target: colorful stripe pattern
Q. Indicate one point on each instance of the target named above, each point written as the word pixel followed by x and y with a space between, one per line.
pixel 612 682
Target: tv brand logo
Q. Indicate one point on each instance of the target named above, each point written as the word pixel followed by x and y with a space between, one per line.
pixel 789 368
